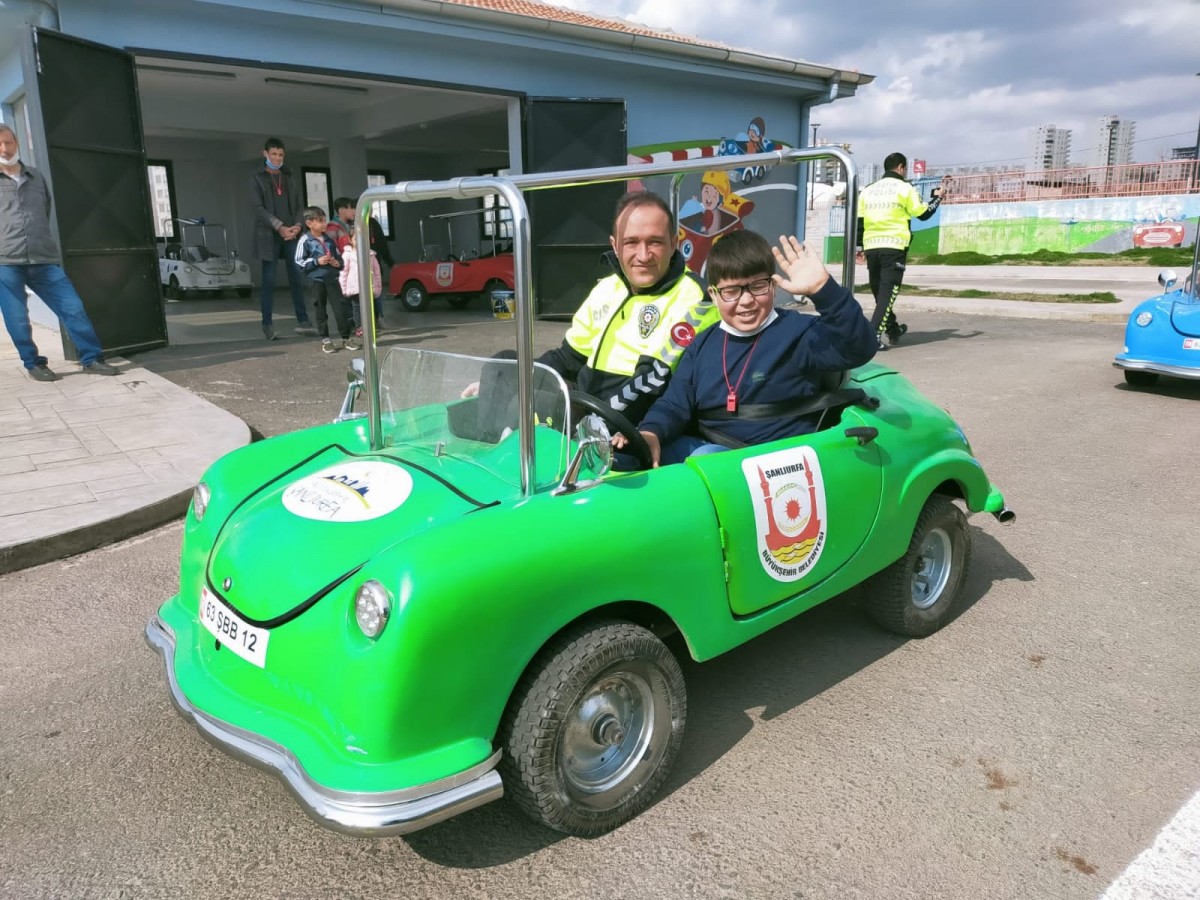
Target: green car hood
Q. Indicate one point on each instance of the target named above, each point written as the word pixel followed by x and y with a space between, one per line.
pixel 310 528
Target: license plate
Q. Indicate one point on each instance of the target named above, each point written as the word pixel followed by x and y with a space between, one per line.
pixel 232 631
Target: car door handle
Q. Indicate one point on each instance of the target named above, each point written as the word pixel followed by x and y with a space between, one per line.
pixel 864 434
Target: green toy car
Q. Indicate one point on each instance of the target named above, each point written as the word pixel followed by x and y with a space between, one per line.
pixel 408 613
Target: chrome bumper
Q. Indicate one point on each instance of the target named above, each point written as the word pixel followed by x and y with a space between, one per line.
pixel 355 813
pixel 1141 365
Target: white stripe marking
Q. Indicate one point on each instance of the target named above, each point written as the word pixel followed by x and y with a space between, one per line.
pixel 1170 869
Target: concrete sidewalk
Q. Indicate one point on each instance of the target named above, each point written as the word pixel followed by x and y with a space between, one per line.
pixel 91 459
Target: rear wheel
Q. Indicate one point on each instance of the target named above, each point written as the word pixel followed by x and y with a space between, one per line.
pixel 414 297
pixel 1136 378
pixel 593 728
pixel 918 593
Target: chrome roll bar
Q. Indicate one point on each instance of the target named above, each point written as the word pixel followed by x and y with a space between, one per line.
pixel 511 188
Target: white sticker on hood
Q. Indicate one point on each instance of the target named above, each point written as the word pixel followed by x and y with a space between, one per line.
pixel 349 492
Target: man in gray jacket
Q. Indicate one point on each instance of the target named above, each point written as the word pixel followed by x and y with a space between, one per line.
pixel 30 257
pixel 278 221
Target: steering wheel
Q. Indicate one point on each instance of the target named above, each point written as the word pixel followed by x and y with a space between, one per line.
pixel 636 443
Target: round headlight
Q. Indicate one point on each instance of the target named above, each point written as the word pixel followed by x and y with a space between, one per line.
pixel 372 606
pixel 1144 318
pixel 200 500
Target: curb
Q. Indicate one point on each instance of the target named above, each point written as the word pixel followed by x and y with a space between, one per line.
pixel 91 537
pixel 1017 309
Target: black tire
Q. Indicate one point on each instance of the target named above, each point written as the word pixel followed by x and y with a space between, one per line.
pixel 174 291
pixel 243 292
pixel 459 301
pixel 918 593
pixel 1138 378
pixel 593 728
pixel 414 297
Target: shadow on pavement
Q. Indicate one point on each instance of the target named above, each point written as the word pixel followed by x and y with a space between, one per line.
pixel 916 338
pixel 776 673
pixel 1174 388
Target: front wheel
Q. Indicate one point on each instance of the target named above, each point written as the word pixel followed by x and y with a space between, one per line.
pixel 174 291
pixel 1138 378
pixel 918 593
pixel 414 297
pixel 593 728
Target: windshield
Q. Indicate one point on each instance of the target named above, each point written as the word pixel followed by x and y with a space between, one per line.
pixel 425 413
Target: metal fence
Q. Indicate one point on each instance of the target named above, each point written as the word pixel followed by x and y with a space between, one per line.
pixel 1137 179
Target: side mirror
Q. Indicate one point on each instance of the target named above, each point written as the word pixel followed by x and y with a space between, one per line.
pixel 356 381
pixel 1167 279
pixel 593 459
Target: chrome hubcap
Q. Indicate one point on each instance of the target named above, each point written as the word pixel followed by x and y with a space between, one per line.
pixel 932 569
pixel 614 728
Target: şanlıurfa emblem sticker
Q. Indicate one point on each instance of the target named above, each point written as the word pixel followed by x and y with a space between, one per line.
pixel 789 510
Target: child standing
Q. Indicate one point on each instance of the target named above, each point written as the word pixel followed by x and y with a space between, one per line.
pixel 348 280
pixel 317 257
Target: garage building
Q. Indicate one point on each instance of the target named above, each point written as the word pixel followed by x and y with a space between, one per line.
pixel 144 111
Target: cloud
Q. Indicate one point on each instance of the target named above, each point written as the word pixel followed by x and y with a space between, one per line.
pixel 969 82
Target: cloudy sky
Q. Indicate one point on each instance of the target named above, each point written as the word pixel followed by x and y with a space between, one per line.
pixel 966 81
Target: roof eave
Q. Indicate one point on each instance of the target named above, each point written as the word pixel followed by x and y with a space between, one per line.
pixel 742 59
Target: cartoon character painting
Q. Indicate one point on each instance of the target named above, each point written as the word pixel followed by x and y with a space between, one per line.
pixel 753 140
pixel 704 220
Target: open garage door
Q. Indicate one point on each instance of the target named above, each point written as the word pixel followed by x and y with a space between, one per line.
pixel 570 227
pixel 91 129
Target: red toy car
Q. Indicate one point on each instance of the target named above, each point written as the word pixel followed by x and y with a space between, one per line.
pixel 455 276
pixel 1161 234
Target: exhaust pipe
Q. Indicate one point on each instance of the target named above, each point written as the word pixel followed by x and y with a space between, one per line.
pixel 1005 516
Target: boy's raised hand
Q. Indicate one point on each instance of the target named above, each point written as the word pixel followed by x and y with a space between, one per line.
pixel 803 271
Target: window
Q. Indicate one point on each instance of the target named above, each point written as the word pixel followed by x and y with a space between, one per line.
pixel 381 210
pixel 316 188
pixel 162 197
pixel 497 217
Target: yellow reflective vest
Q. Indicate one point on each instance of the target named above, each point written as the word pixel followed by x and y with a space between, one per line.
pixel 885 208
pixel 622 347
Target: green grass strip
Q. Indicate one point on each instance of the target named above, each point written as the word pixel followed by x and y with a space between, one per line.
pixel 913 290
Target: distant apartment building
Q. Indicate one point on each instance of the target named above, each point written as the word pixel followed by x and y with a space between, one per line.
pixel 1183 153
pixel 1114 141
pixel 1051 148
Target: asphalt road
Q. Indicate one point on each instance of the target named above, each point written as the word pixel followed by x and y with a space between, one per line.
pixel 1030 749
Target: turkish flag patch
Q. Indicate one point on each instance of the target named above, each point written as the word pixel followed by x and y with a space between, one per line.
pixel 682 333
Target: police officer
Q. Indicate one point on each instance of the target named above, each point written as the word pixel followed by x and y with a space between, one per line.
pixel 627 337
pixel 884 210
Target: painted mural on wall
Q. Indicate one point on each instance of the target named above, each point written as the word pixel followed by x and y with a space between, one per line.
pixel 719 202
pixel 1093 225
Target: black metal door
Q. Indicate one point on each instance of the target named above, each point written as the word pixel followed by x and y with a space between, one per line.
pixel 92 123
pixel 570 226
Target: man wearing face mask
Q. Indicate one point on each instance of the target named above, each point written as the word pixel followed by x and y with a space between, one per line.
pixel 30 257
pixel 278 221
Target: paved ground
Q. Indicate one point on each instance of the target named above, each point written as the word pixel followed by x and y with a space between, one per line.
pixel 1033 748
pixel 91 459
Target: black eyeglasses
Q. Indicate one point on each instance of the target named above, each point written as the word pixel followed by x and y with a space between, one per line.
pixel 731 293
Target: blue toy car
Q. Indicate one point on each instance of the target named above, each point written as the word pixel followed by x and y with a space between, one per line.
pixel 1162 336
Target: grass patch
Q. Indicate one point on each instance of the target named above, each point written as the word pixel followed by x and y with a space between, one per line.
pixel 974 294
pixel 1163 257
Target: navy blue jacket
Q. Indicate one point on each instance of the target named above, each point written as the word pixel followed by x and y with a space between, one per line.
pixel 788 355
pixel 309 249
